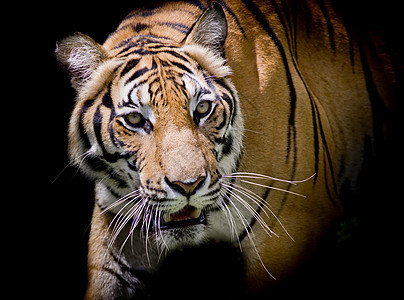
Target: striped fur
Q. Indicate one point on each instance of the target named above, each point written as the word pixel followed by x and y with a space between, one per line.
pixel 290 73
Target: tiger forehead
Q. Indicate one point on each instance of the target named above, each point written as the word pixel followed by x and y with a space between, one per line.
pixel 153 56
pixel 166 81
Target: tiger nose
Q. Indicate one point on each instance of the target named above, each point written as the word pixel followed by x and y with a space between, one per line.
pixel 186 188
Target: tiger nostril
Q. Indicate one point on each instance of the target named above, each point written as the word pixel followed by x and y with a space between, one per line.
pixel 186 188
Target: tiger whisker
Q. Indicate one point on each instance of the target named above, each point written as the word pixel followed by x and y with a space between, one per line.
pixel 132 228
pixel 254 213
pixel 306 179
pixel 249 233
pixel 253 131
pixel 242 218
pixel 136 217
pixel 138 210
pixel 272 188
pixel 262 176
pixel 73 162
pixel 155 224
pixel 257 199
pixel 162 245
pixel 223 207
pixel 148 221
pixel 257 177
pixel 144 220
pixel 122 219
pixel 230 220
pixel 118 217
pixel 119 201
pixel 260 202
pixel 159 231
pixel 83 157
pixel 121 222
pixel 103 178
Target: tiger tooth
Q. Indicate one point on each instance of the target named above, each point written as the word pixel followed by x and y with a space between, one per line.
pixel 196 213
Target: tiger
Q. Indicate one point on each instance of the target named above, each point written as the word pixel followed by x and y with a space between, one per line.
pixel 234 121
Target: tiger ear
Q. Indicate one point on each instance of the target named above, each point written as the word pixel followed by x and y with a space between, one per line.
pixel 80 55
pixel 210 30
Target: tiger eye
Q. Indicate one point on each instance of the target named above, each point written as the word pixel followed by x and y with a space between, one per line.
pixel 134 119
pixel 203 108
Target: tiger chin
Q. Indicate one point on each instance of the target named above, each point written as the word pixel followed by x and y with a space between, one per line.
pixel 202 122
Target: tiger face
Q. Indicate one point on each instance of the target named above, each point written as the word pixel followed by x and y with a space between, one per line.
pixel 158 133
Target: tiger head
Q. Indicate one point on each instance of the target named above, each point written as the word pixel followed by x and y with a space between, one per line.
pixel 156 125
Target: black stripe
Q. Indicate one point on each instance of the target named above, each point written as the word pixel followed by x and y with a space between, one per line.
pixel 315 132
pixel 151 10
pixel 142 275
pixel 137 74
pixel 129 66
pixel 138 27
pixel 140 51
pixel 330 28
pixel 177 26
pixel 182 67
pixel 227 145
pixel 348 28
pixel 379 110
pixel 329 160
pixel 97 123
pixel 97 164
pixel 107 101
pixel 139 162
pixel 307 17
pixel 83 136
pixel 223 123
pixel 288 30
pixel 136 41
pixel 176 54
pixel 159 46
pixel 208 81
pixel 215 191
pixel 121 280
pixel 133 88
pixel 196 3
pixel 294 31
pixel 132 165
pixel 117 143
pixel 233 15
pixel 229 100
pixel 114 193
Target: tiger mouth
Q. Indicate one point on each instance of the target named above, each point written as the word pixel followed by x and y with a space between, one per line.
pixel 187 216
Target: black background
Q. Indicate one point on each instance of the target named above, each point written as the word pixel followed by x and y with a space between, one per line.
pixel 47 216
